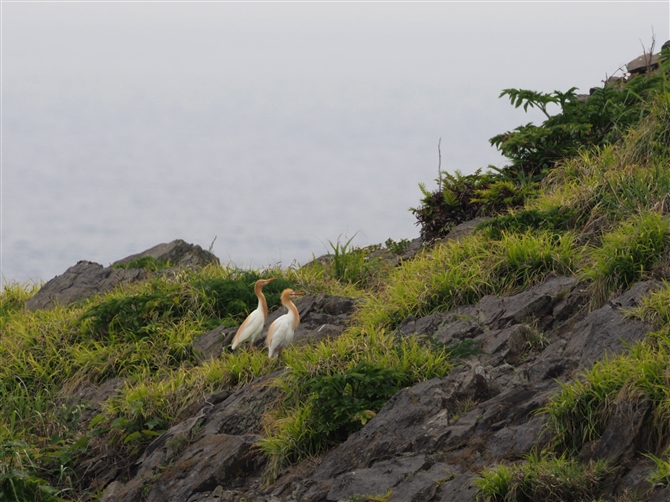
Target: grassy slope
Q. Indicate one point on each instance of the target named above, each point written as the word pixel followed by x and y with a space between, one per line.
pixel 622 191
pixel 616 233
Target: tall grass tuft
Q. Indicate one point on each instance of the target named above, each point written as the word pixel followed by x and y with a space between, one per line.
pixel 580 412
pixel 14 296
pixel 346 268
pixel 546 478
pixel 626 253
pixel 462 272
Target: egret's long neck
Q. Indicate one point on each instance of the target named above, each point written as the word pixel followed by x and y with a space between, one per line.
pixel 262 303
pixel 293 312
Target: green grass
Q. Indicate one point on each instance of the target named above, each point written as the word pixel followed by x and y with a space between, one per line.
pixel 14 296
pixel 579 413
pixel 555 219
pixel 546 478
pixel 347 269
pixel 142 332
pixel 462 272
pixel 632 249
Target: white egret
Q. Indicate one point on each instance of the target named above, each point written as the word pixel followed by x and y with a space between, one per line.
pixel 253 324
pixel 282 329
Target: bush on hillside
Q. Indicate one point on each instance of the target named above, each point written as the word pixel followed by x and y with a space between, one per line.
pixel 582 123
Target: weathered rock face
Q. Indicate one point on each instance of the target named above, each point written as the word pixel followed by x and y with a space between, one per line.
pixel 429 441
pixel 209 449
pixel 81 281
pixel 86 278
pixel 321 316
pixel 178 253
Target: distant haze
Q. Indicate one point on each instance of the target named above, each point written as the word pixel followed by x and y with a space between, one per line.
pixel 272 127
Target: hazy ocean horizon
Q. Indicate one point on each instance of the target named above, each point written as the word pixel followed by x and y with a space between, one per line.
pixel 100 169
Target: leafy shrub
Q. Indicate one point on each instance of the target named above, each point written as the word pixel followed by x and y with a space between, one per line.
pixel 398 247
pixel 132 317
pixel 343 402
pixel 337 405
pixel 453 203
pixel 600 119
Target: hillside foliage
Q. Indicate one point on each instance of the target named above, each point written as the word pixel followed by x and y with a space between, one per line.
pixel 580 124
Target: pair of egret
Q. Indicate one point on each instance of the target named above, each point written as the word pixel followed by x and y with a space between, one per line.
pixel 280 333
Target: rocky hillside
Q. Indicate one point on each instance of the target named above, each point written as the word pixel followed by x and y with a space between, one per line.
pixel 520 350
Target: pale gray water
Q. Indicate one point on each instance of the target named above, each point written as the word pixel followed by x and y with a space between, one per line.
pixel 274 128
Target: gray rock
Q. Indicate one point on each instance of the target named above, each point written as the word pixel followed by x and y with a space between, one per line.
pixel 91 397
pixel 81 281
pixel 86 278
pixel 209 345
pixel 506 345
pixel 241 412
pixel 660 494
pixel 533 304
pixel 177 253
pixel 414 247
pixel 417 423
pixel 219 494
pixel 641 64
pixel 423 484
pixel 458 489
pixel 462 329
pixel 463 229
pixel 608 330
pixel 375 480
pixel 204 465
pixel 551 363
pixel 211 448
pixel 429 441
pixel 424 325
pixel 416 420
pixel 622 433
pixel 113 492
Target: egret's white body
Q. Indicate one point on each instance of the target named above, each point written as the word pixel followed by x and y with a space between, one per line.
pixel 252 326
pixel 283 328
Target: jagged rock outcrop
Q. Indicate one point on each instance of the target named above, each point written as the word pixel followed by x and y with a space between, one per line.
pixel 212 448
pixel 430 440
pixel 86 278
pixel 178 253
pixel 82 281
